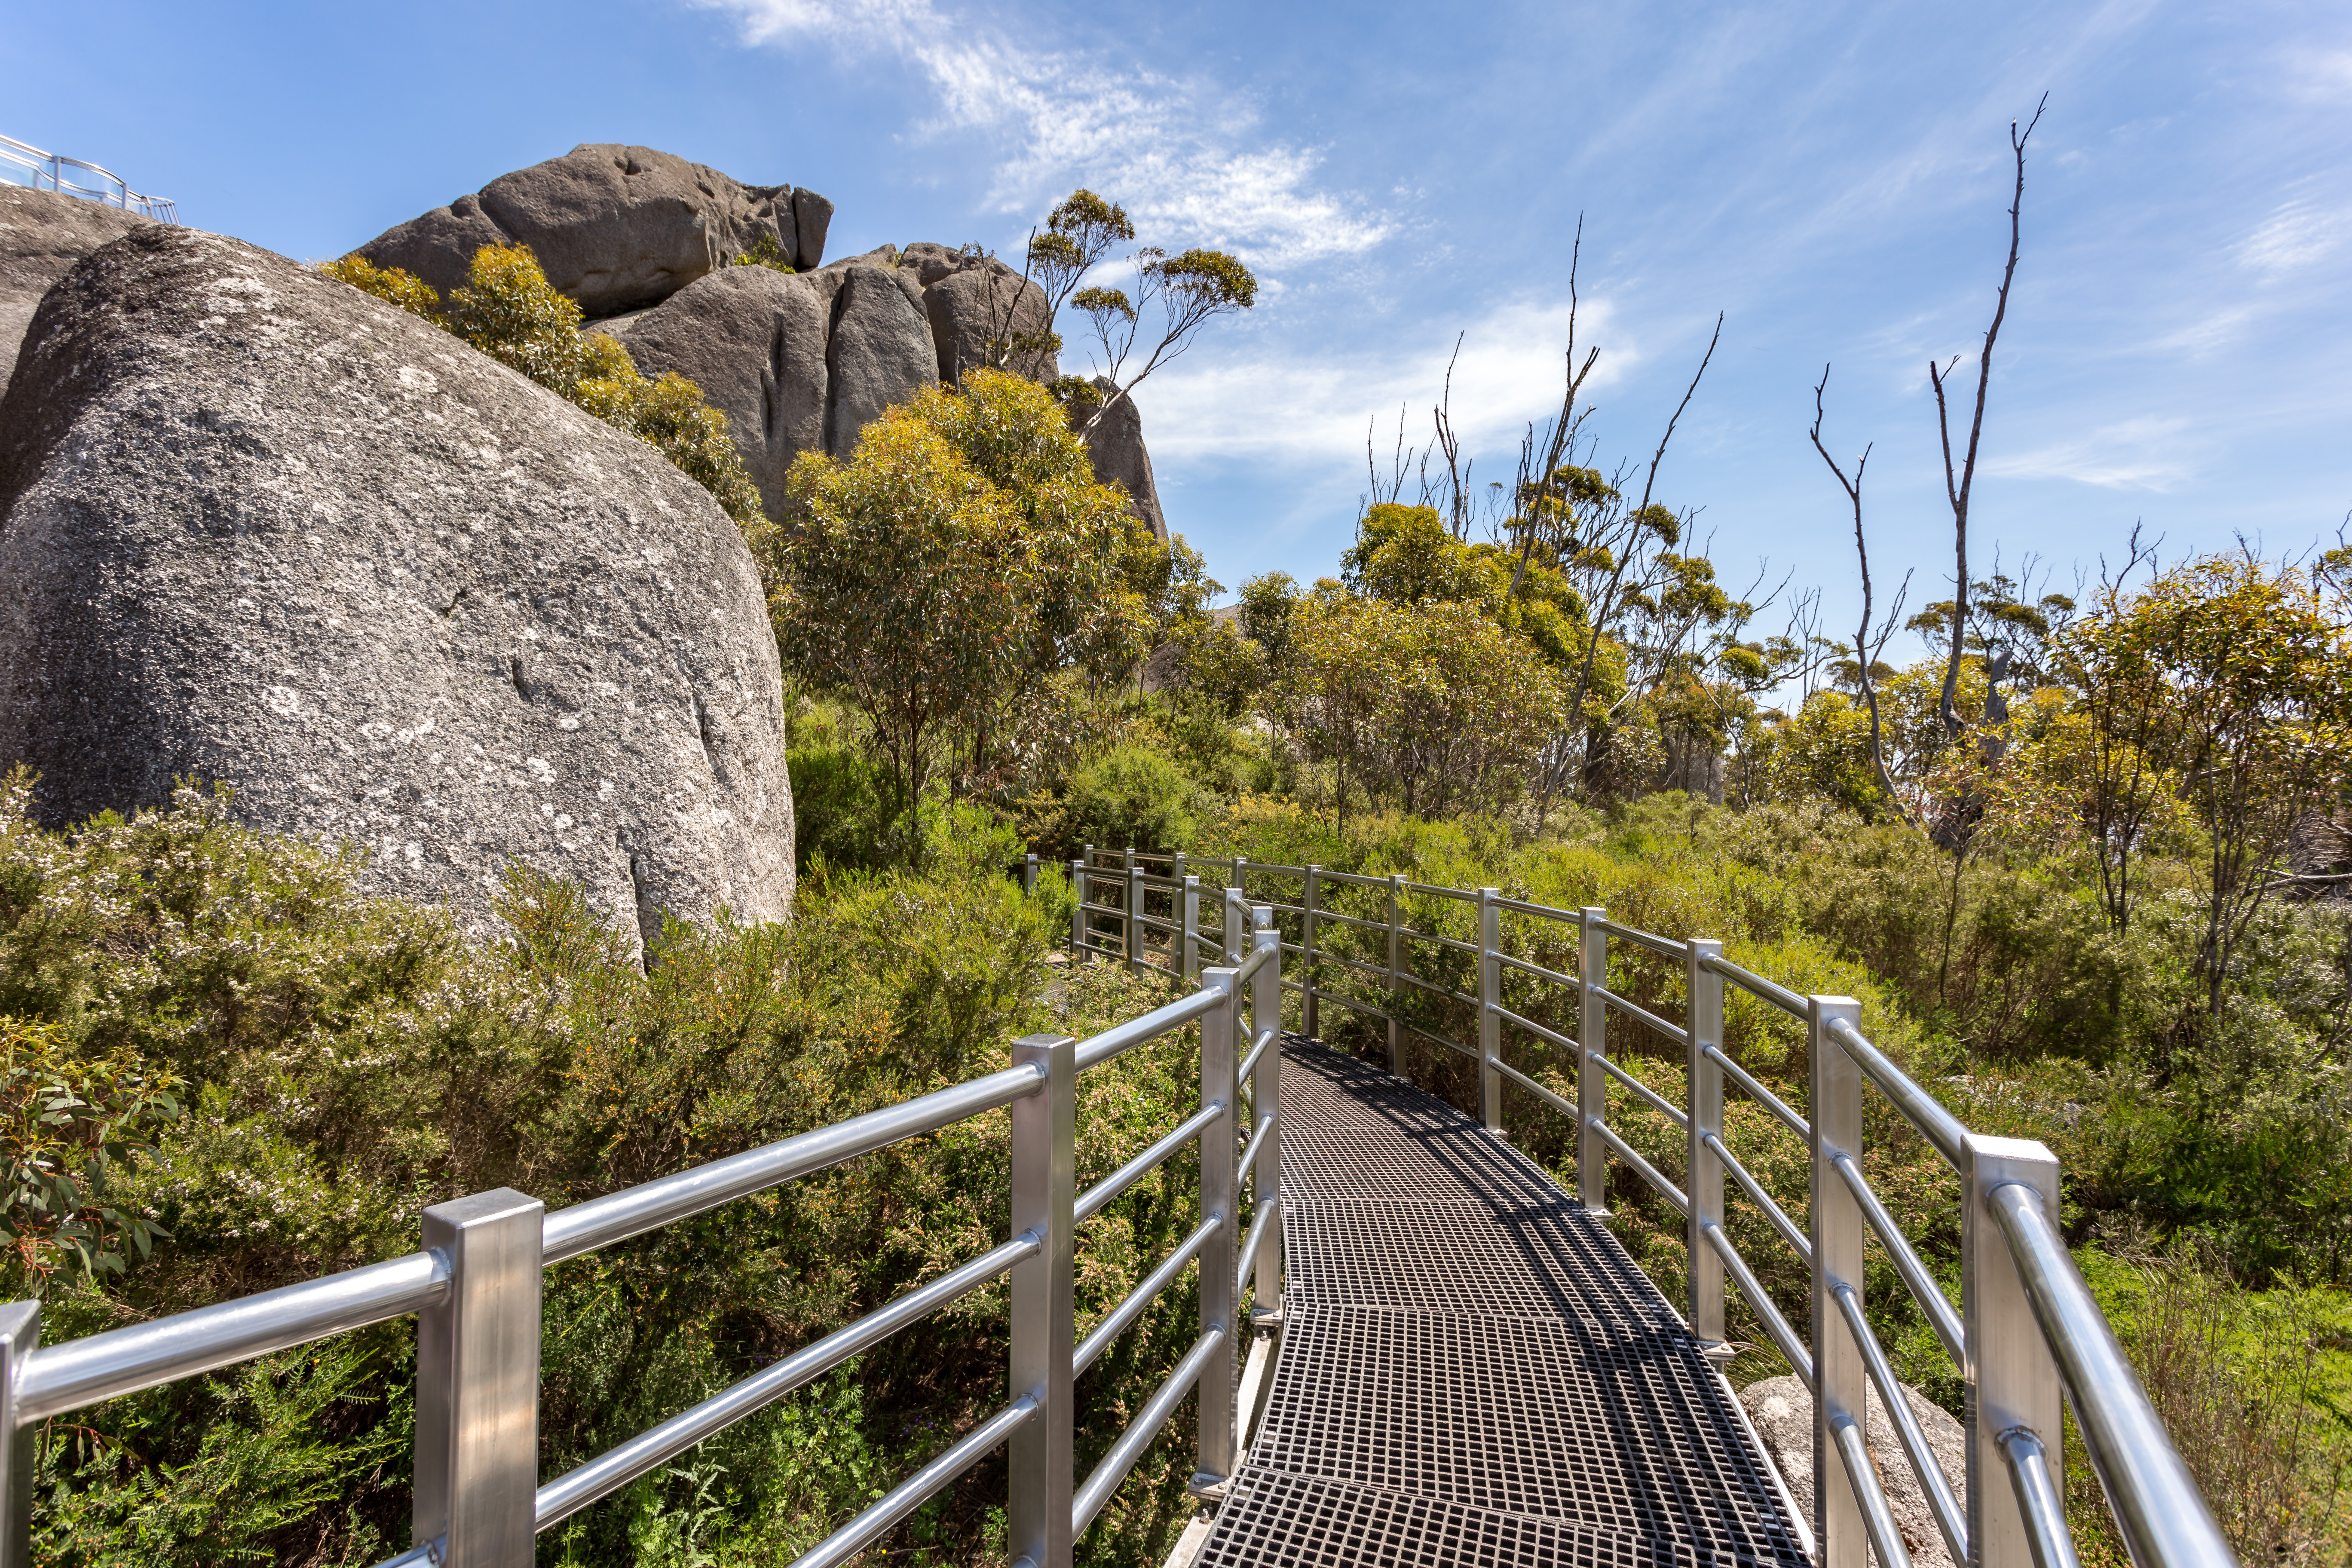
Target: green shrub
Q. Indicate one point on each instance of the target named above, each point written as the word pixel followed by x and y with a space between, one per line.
pixel 766 252
pixel 1131 797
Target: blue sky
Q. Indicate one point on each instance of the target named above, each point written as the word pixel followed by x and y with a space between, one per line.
pixel 1830 176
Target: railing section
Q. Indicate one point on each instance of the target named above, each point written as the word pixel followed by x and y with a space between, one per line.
pixel 2027 1332
pixel 25 165
pixel 475 1290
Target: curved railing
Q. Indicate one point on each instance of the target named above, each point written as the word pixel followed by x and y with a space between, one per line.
pixel 2027 1331
pixel 46 172
pixel 475 1290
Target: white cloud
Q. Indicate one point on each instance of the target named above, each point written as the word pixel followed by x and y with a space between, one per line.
pixel 1312 409
pixel 2293 238
pixel 2145 454
pixel 1184 159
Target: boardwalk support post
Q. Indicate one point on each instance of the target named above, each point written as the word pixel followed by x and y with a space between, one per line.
pixel 1309 974
pixel 1396 985
pixel 1078 911
pixel 1041 1456
pixel 1591 1082
pixel 1704 1182
pixel 1839 1374
pixel 1192 936
pixel 1265 1100
pixel 2012 1382
pixel 1219 1085
pixel 477 1383
pixel 1490 1020
pixel 1134 906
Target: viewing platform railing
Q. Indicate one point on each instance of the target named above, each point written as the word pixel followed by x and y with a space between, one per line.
pixel 21 163
pixel 475 1290
pixel 2026 1334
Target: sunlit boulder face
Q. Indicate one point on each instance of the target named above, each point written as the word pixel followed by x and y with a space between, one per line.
pixel 616 227
pixel 258 527
pixel 42 236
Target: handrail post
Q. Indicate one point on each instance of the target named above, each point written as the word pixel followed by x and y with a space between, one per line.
pixel 1234 923
pixel 1703 1181
pixel 1078 911
pixel 1041 1457
pixel 2011 1380
pixel 1265 1100
pixel 1218 1296
pixel 1127 926
pixel 1307 973
pixel 1840 1378
pixel 1592 1083
pixel 1396 986
pixel 1029 876
pixel 1192 936
pixel 1490 1022
pixel 477 1384
pixel 20 1336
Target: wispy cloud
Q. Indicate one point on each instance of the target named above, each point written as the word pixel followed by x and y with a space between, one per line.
pixel 2147 453
pixel 1313 409
pixel 1189 162
pixel 2298 234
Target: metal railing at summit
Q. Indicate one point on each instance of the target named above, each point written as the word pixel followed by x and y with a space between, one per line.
pixel 474 1287
pixel 21 163
pixel 2027 1337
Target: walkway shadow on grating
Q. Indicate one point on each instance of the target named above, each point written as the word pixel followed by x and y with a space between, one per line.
pixel 1472 1370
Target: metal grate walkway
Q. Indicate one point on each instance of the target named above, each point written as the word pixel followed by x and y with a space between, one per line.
pixel 1472 1370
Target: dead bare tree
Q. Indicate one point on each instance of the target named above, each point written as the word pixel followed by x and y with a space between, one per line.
pixel 1957 485
pixel 1865 654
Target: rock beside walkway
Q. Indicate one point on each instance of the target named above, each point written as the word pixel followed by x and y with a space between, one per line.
pixel 1782 1411
pixel 261 527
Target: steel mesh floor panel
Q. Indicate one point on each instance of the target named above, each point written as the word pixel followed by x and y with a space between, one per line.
pixel 1302 1522
pixel 1472 1370
pixel 1521 1417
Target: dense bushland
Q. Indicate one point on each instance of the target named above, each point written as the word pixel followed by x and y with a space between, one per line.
pixel 279 1073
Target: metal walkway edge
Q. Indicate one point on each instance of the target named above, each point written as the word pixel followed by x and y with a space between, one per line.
pixel 1472 1370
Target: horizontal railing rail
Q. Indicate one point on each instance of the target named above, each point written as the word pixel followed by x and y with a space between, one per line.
pixel 475 1289
pixel 2025 1333
pixel 45 171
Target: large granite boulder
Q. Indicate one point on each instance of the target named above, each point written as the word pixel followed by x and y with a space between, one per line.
pixel 880 351
pixel 1115 445
pixel 261 527
pixel 1782 1411
pixel 970 306
pixel 42 235
pixel 755 341
pixel 617 229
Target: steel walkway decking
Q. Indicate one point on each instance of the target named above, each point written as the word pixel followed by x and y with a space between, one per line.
pixel 1472 1370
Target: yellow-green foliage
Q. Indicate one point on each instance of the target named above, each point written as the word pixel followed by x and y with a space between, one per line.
pixel 391 284
pixel 767 253
pixel 961 555
pixel 351 1059
pixel 511 311
pixel 68 1120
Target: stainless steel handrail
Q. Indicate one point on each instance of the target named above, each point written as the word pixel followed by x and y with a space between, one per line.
pixel 1121 1317
pixel 62 1377
pixel 1760 1301
pixel 1091 1202
pixel 1139 1436
pixel 916 1489
pixel 164 209
pixel 1756 986
pixel 1759 1093
pixel 1656 1101
pixel 1773 1213
pixel 641 1455
pixel 1641 1168
pixel 1933 1482
pixel 600 1222
pixel 1635 1011
pixel 1922 1284
pixel 1940 1126
pixel 2162 1515
pixel 1135 1032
